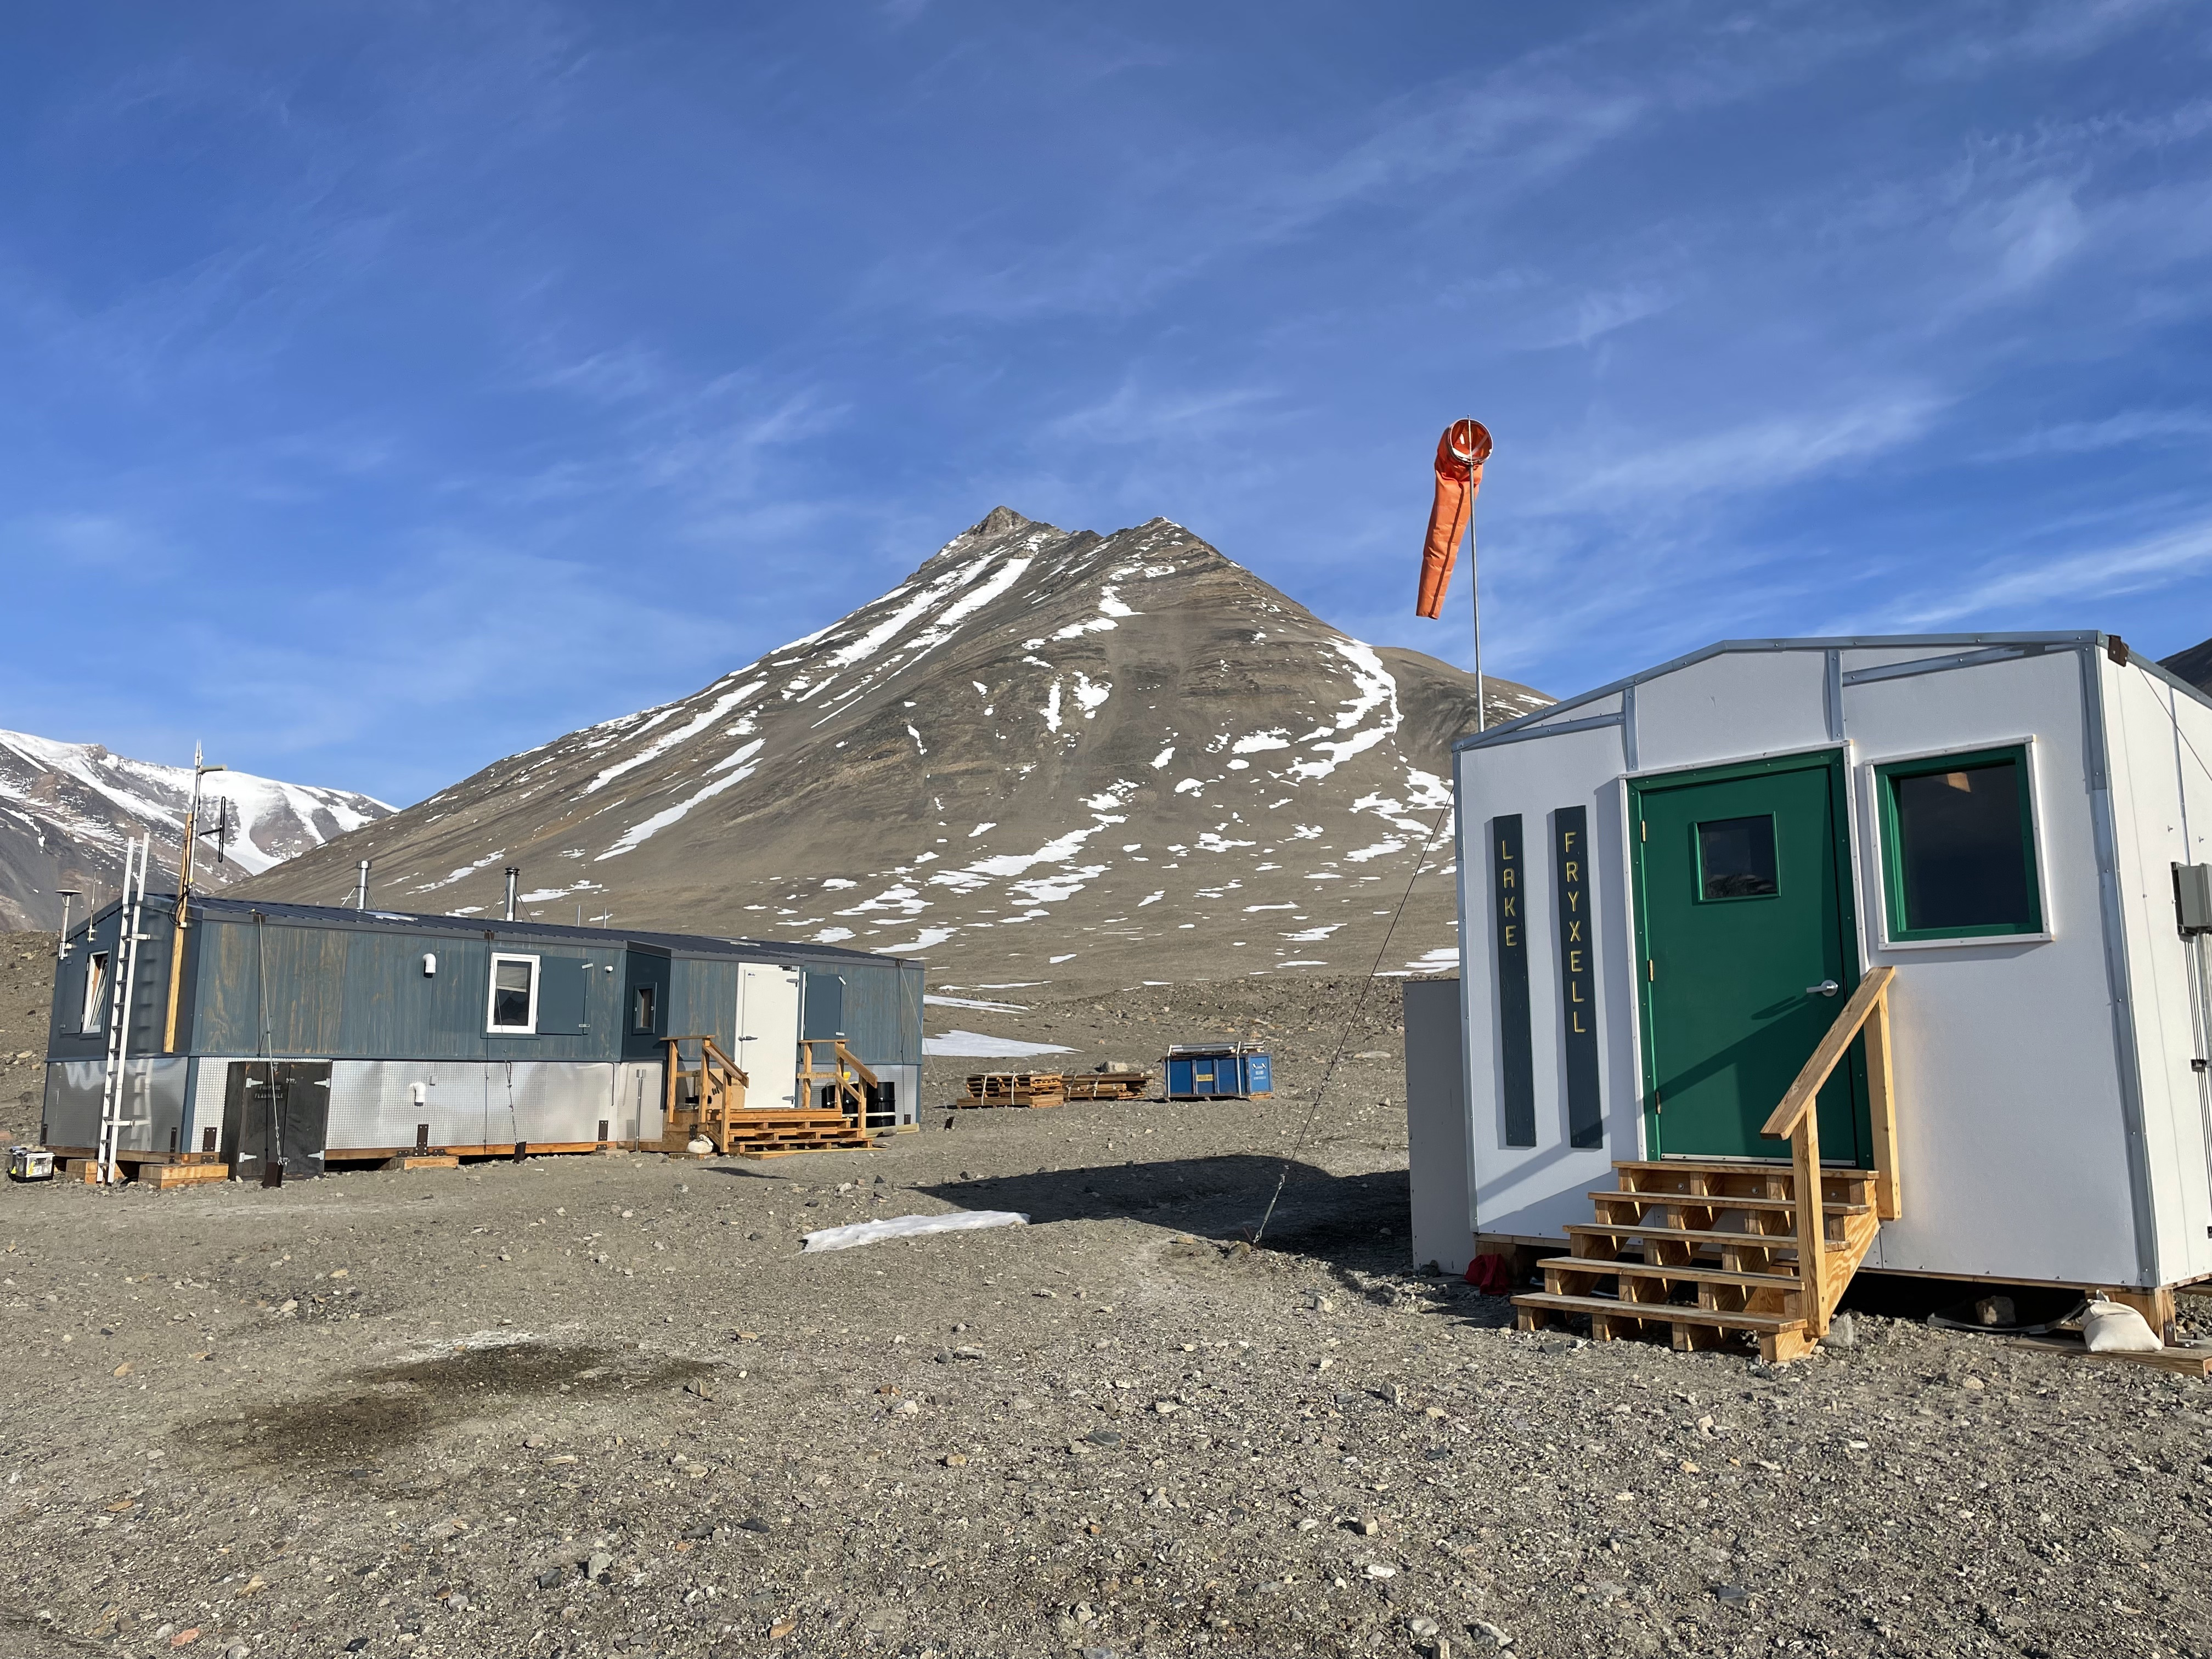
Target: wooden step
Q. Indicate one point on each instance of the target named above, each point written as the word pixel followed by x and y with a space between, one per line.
pixel 1664 1312
pixel 1722 1201
pixel 1830 1174
pixel 1684 1235
pixel 1678 1275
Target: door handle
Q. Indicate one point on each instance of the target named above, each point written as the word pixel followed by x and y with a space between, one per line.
pixel 1827 987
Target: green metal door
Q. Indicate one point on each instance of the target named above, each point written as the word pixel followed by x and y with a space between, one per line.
pixel 1743 920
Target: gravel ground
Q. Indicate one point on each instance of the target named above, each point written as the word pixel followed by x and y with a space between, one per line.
pixel 27 981
pixel 602 1405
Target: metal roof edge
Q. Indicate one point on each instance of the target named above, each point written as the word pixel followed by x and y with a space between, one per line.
pixel 2158 670
pixel 1842 642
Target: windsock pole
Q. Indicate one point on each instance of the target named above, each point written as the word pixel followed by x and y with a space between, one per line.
pixel 1474 593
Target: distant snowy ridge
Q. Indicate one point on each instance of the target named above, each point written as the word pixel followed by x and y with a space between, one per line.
pixel 67 810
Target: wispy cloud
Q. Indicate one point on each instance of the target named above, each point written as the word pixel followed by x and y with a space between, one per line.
pixel 1751 458
pixel 2125 430
pixel 2078 576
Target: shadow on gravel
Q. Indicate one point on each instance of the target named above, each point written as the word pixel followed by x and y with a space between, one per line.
pixel 1346 1221
pixel 341 1430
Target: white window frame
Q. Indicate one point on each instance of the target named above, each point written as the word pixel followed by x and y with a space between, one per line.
pixel 491 994
pixel 93 1017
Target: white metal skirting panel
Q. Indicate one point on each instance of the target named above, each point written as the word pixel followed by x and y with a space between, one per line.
pixel 491 1105
pixel 907 1079
pixel 153 1103
pixel 1437 1126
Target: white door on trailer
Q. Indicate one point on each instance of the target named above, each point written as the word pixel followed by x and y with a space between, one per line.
pixel 767 1035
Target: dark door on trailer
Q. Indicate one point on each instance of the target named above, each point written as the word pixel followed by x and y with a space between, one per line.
pixel 564 986
pixel 1743 899
pixel 276 1110
pixel 644 1002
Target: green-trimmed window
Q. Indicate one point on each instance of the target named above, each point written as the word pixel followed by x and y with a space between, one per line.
pixel 1958 846
pixel 1735 858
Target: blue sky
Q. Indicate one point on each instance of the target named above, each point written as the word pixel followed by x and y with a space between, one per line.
pixel 385 388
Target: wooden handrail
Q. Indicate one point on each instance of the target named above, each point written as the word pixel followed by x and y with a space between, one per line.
pixel 1799 1099
pixel 1795 1117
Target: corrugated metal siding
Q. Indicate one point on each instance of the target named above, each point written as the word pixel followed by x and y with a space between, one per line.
pixel 149 999
pixel 883 1012
pixel 340 990
pixel 703 1000
pixel 345 993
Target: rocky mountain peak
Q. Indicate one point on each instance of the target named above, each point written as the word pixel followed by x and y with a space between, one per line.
pixel 1044 755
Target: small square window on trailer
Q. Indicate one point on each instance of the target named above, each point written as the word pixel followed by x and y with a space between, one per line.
pixel 1886 952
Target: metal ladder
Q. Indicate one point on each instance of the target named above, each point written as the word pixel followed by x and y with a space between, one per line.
pixel 122 983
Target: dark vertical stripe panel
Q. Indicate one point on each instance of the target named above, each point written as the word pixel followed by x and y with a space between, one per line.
pixel 1578 974
pixel 1516 1059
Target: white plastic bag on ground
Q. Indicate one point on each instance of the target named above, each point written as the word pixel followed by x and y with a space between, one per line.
pixel 908 1226
pixel 2114 1328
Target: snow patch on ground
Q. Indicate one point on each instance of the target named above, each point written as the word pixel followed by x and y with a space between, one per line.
pixel 690 729
pixel 975 1045
pixel 854 1233
pixel 637 835
pixel 927 938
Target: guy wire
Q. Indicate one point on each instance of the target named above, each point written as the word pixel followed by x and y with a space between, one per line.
pixel 1321 1089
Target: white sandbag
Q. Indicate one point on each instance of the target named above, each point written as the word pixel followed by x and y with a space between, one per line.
pixel 2114 1328
pixel 908 1226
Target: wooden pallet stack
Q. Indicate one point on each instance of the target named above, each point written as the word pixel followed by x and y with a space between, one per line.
pixel 1109 1085
pixel 1033 1089
pixel 760 1133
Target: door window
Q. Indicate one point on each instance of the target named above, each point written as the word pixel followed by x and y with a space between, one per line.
pixel 1959 847
pixel 1735 858
pixel 514 995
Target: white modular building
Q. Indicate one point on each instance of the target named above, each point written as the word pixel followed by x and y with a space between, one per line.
pixel 1670 886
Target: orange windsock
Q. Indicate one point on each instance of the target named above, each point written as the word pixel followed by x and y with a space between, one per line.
pixel 1460 455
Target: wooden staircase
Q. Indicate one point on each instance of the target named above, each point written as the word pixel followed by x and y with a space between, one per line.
pixel 1709 1253
pixel 707 1103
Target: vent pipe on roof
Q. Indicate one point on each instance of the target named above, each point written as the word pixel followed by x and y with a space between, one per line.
pixel 360 888
pixel 513 875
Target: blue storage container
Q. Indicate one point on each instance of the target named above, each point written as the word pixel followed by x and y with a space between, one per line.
pixel 1229 1071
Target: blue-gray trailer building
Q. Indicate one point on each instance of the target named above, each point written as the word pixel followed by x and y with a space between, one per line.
pixel 322 1034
